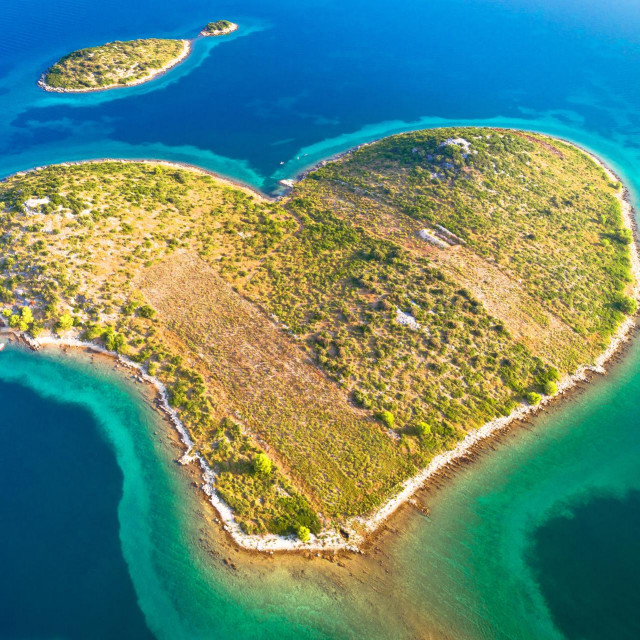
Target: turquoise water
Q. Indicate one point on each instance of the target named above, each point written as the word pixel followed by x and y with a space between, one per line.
pixel 536 541
pixel 59 534
pixel 598 598
pixel 540 539
pixel 104 536
pixel 316 77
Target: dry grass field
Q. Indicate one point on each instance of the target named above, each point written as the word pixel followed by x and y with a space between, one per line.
pixel 337 453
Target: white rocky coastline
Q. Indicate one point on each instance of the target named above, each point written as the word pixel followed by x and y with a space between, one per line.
pixel 326 540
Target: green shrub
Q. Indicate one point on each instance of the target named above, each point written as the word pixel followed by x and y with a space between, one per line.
pixel 533 398
pixel 5 294
pixel 623 236
pixel 626 304
pixel 303 533
pixel 293 512
pixel 109 336
pixel 262 465
pixel 146 311
pixel 550 388
pixel 361 398
pixel 387 418
pixel 93 331
pixel 552 374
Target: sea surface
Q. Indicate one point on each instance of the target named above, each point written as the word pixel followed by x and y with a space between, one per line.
pixel 101 532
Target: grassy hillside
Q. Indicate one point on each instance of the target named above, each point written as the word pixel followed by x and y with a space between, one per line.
pixel 396 299
pixel 113 64
pixel 532 215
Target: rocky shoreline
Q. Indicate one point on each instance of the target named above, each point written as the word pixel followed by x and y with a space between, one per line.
pixel 462 452
pixel 326 540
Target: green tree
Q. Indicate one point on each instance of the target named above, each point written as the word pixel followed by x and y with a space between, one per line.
pixel 550 388
pixel 262 464
pixel 65 322
pixel 36 329
pixel 423 429
pixel 26 319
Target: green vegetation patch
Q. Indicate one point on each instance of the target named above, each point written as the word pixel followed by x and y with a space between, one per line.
pixel 534 208
pixel 218 28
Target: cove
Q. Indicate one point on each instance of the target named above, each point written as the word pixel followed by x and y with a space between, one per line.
pixel 294 78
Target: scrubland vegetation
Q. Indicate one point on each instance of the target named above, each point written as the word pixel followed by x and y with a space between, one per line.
pixel 323 348
pixel 536 210
pixel 113 64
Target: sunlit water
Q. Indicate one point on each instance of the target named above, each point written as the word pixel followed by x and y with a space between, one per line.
pixel 517 546
pixel 540 539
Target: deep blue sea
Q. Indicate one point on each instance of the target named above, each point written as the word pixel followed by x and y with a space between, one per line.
pixel 97 530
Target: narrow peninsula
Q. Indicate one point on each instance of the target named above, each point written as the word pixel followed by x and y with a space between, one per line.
pixel 321 351
pixel 122 64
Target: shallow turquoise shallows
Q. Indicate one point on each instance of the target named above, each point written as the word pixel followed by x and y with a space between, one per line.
pixel 101 530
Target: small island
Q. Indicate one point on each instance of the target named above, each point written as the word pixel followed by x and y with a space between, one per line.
pixel 122 63
pixel 324 352
pixel 115 64
pixel 219 28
